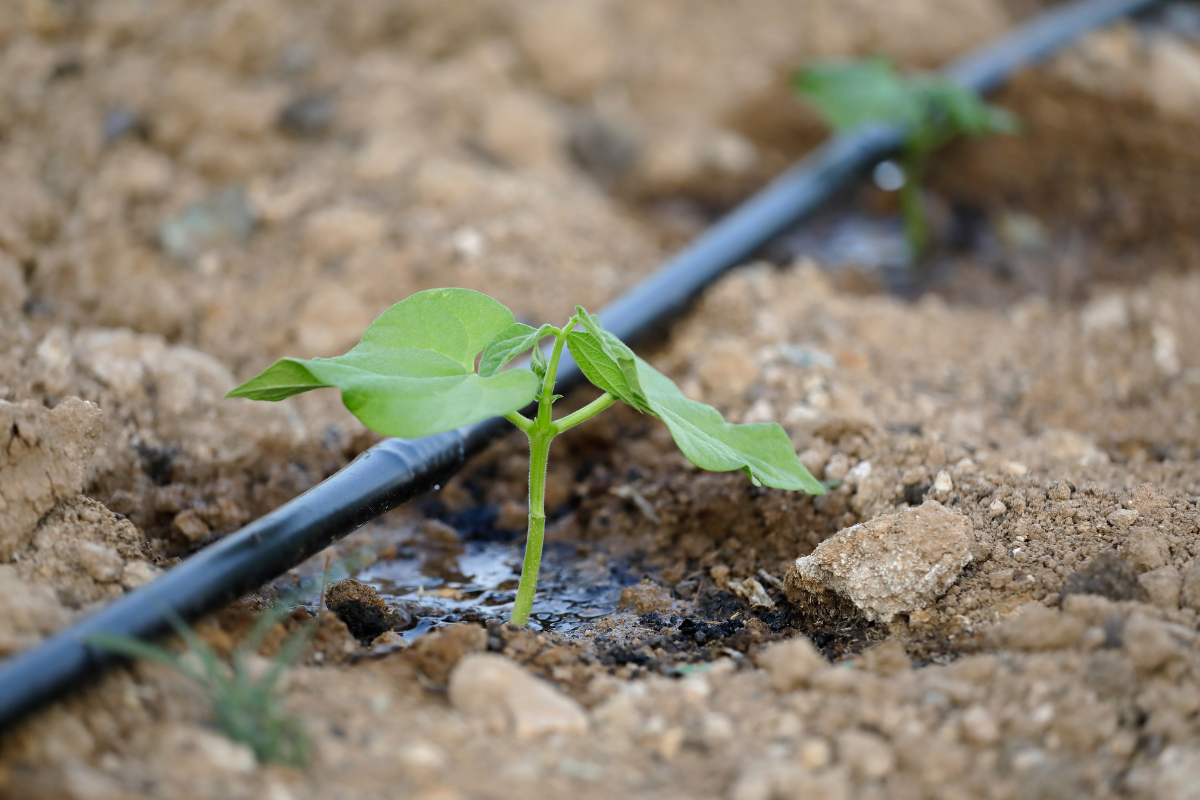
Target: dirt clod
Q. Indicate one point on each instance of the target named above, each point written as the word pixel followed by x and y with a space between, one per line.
pixel 1107 575
pixel 44 456
pixel 437 653
pixel 891 565
pixel 791 663
pixel 645 597
pixel 363 610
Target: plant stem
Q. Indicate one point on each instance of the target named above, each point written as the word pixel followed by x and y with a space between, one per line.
pixel 912 205
pixel 541 432
pixel 584 414
pixel 522 422
pixel 539 453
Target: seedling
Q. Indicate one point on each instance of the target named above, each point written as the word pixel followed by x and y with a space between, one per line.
pixel 414 374
pixel 932 109
pixel 244 705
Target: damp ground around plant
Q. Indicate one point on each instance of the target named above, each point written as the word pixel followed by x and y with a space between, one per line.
pixel 999 595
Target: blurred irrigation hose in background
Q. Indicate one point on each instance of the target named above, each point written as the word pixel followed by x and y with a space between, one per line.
pixel 397 470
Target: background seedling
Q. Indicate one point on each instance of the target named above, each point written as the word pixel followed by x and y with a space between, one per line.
pixel 245 705
pixel 413 374
pixel 933 110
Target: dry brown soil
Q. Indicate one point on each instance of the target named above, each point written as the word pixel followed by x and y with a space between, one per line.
pixel 192 188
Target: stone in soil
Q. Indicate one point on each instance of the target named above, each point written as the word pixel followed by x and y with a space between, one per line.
pixel 497 691
pixel 891 565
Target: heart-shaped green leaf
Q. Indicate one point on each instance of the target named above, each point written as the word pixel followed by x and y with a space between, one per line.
pixel 762 450
pixel 508 344
pixel 413 373
pixel 852 93
pixel 606 361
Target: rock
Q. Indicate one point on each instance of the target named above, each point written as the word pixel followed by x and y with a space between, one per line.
pixel 1146 549
pixel 1176 774
pixel 1163 586
pixel 1149 643
pixel 1107 575
pixel 750 590
pixel 44 456
pixel 498 691
pixel 1038 628
pixel 1174 79
pixel 790 664
pixel 1122 519
pixel 190 522
pixel 867 755
pixel 891 565
pixel 979 726
pixel 30 611
pixel 422 760
pixel 942 486
pixel 997 509
pixel 342 230
pixel 645 597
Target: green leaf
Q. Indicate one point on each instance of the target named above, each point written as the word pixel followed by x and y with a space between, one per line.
pixel 508 344
pixel 762 450
pixel 960 110
pixel 848 94
pixel 606 361
pixel 413 373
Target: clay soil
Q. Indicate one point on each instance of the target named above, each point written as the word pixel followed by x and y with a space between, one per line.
pixel 190 189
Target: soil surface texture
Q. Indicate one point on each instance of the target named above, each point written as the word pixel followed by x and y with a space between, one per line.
pixel 998 596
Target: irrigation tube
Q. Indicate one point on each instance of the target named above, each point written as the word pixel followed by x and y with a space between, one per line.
pixel 397 470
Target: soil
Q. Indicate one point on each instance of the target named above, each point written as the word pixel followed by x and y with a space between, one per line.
pixel 999 596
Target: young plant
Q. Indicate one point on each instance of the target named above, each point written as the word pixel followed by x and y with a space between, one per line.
pixel 932 109
pixel 244 706
pixel 414 374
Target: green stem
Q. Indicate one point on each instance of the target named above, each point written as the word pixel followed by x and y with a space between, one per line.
pixel 584 414
pixel 912 205
pixel 539 454
pixel 521 421
pixel 541 432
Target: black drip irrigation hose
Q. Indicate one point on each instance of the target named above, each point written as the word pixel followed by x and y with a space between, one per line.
pixel 396 470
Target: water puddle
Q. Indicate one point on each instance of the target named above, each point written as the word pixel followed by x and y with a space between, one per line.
pixel 477 580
